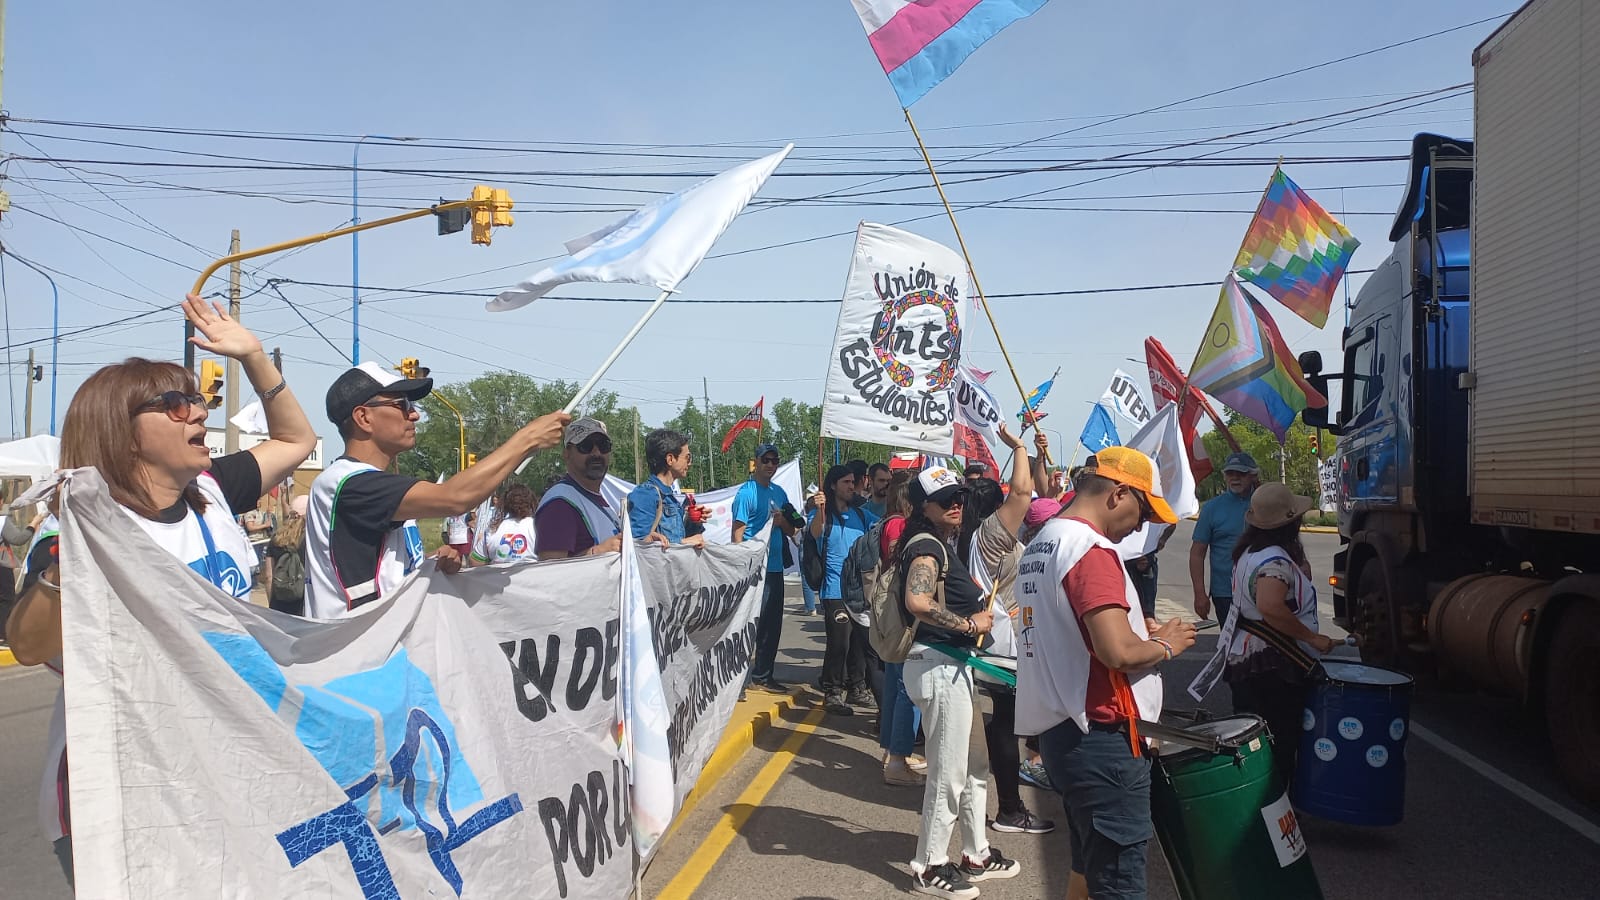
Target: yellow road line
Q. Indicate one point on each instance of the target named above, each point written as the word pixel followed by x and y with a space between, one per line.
pixel 694 871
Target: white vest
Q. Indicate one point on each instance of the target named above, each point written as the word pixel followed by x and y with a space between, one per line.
pixel 1302 599
pixel 1052 656
pixel 328 595
pixel 595 517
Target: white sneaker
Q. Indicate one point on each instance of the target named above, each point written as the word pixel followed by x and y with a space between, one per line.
pixel 943 881
pixel 995 865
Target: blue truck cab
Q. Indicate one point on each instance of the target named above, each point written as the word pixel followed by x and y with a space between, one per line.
pixel 1402 415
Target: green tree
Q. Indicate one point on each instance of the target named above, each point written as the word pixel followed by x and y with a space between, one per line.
pixel 1262 444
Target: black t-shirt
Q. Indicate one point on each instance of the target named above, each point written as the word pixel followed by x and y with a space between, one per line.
pixel 364 511
pixel 962 595
pixel 237 474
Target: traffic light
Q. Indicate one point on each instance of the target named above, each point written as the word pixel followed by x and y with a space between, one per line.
pixel 410 368
pixel 211 382
pixel 451 220
pixel 1316 444
pixel 472 460
pixel 38 373
pixel 500 202
pixel 482 214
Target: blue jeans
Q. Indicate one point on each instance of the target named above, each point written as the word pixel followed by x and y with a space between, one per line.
pixel 898 717
pixel 809 594
pixel 1106 792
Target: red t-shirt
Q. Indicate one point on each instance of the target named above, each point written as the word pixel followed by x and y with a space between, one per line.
pixel 889 536
pixel 1096 582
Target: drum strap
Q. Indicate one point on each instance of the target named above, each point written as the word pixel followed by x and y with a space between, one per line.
pixel 1281 642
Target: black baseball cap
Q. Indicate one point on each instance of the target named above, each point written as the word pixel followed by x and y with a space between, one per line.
pixel 360 384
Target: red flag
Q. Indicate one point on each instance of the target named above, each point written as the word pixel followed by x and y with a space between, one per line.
pixel 752 419
pixel 1166 380
pixel 971 445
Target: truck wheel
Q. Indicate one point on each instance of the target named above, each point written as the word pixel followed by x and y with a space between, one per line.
pixel 1374 617
pixel 1572 699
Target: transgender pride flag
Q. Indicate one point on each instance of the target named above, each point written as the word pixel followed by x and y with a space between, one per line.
pixel 920 42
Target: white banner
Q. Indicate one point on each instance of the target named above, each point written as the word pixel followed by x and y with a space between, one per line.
pixel 1162 441
pixel 897 348
pixel 1122 397
pixel 460 738
pixel 1328 485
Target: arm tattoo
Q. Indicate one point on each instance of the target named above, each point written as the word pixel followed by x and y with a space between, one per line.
pixel 923 579
pixel 944 618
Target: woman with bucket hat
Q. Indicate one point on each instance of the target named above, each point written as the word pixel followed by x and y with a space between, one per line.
pixel 1271 636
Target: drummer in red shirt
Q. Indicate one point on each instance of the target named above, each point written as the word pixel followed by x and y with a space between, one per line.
pixel 1086 671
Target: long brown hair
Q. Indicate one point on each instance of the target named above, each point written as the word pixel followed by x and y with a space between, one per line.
pixel 291 534
pixel 1285 536
pixel 99 431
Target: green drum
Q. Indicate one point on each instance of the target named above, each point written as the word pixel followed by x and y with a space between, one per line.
pixel 1224 819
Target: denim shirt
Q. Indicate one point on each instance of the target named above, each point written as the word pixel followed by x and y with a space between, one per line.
pixel 642 503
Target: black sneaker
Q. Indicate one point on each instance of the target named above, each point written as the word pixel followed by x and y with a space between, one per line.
pixel 995 865
pixel 862 698
pixel 1023 822
pixel 836 704
pixel 943 881
pixel 772 684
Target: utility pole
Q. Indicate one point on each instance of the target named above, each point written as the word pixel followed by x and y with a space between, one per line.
pixel 638 461
pixel 277 360
pixel 230 384
pixel 711 466
pixel 27 415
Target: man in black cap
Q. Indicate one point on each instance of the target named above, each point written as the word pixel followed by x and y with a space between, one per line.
pixel 976 471
pixel 361 534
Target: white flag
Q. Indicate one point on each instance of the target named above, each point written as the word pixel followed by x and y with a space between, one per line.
pixel 1122 396
pixel 252 419
pixel 659 245
pixel 1162 440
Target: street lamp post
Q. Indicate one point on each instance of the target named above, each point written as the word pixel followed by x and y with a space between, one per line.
pixel 55 332
pixel 355 242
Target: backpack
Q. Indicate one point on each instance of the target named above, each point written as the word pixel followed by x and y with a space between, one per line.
pixel 814 551
pixel 893 630
pixel 860 573
pixel 289 578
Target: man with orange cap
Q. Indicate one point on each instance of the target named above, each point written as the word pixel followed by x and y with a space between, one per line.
pixel 1086 659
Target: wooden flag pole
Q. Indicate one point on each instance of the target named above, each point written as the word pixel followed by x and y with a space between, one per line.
pixel 1031 418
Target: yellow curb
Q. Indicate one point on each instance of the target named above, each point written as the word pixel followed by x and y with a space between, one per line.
pixel 7 658
pixel 763 709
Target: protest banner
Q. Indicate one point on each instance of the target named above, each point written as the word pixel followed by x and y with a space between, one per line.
pixel 459 737
pixel 977 426
pixel 897 348
pixel 1122 397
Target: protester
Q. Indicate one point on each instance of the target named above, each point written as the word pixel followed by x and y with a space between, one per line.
pixel 509 535
pixel 858 471
pixel 898 717
pixel 1085 671
pixel 259 525
pixel 807 592
pixel 1220 524
pixel 975 471
pixel 654 511
pixel 838 522
pixel 950 611
pixel 141 424
pixel 988 543
pixel 1276 600
pixel 286 587
pixel 757 501
pixel 458 533
pixel 1040 512
pixel 377 544
pixel 573 519
pixel 878 476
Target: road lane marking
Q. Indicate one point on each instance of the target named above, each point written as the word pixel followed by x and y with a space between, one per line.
pixel 698 866
pixel 1535 799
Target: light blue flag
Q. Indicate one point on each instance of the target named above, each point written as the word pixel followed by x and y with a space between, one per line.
pixel 1100 431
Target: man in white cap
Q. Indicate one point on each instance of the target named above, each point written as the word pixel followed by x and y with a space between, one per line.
pixel 361 531
pixel 573 518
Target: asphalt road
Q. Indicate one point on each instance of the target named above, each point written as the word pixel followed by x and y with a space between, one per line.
pixel 28 867
pixel 829 827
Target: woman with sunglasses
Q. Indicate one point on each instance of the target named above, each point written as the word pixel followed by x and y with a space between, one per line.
pixel 142 425
pixel 951 610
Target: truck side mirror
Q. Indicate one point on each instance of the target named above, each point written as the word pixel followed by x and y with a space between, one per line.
pixel 1311 365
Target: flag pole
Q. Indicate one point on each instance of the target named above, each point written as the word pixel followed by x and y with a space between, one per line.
pixel 601 372
pixel 1030 418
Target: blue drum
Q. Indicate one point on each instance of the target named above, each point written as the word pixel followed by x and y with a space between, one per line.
pixel 1352 762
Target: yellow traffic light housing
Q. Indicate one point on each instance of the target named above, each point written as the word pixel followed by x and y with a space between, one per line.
pixel 482 213
pixel 500 202
pixel 411 368
pixel 472 460
pixel 211 382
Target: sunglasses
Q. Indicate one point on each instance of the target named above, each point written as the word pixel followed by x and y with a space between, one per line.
pixel 406 405
pixel 178 406
pixel 959 498
pixel 768 460
pixel 594 442
pixel 1146 512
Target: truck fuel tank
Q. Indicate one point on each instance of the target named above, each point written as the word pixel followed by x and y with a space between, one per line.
pixel 1482 629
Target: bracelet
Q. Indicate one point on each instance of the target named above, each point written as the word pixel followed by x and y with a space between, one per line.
pixel 972 627
pixel 1165 646
pixel 273 392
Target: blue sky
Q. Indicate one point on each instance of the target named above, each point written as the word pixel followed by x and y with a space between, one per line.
pixel 713 78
